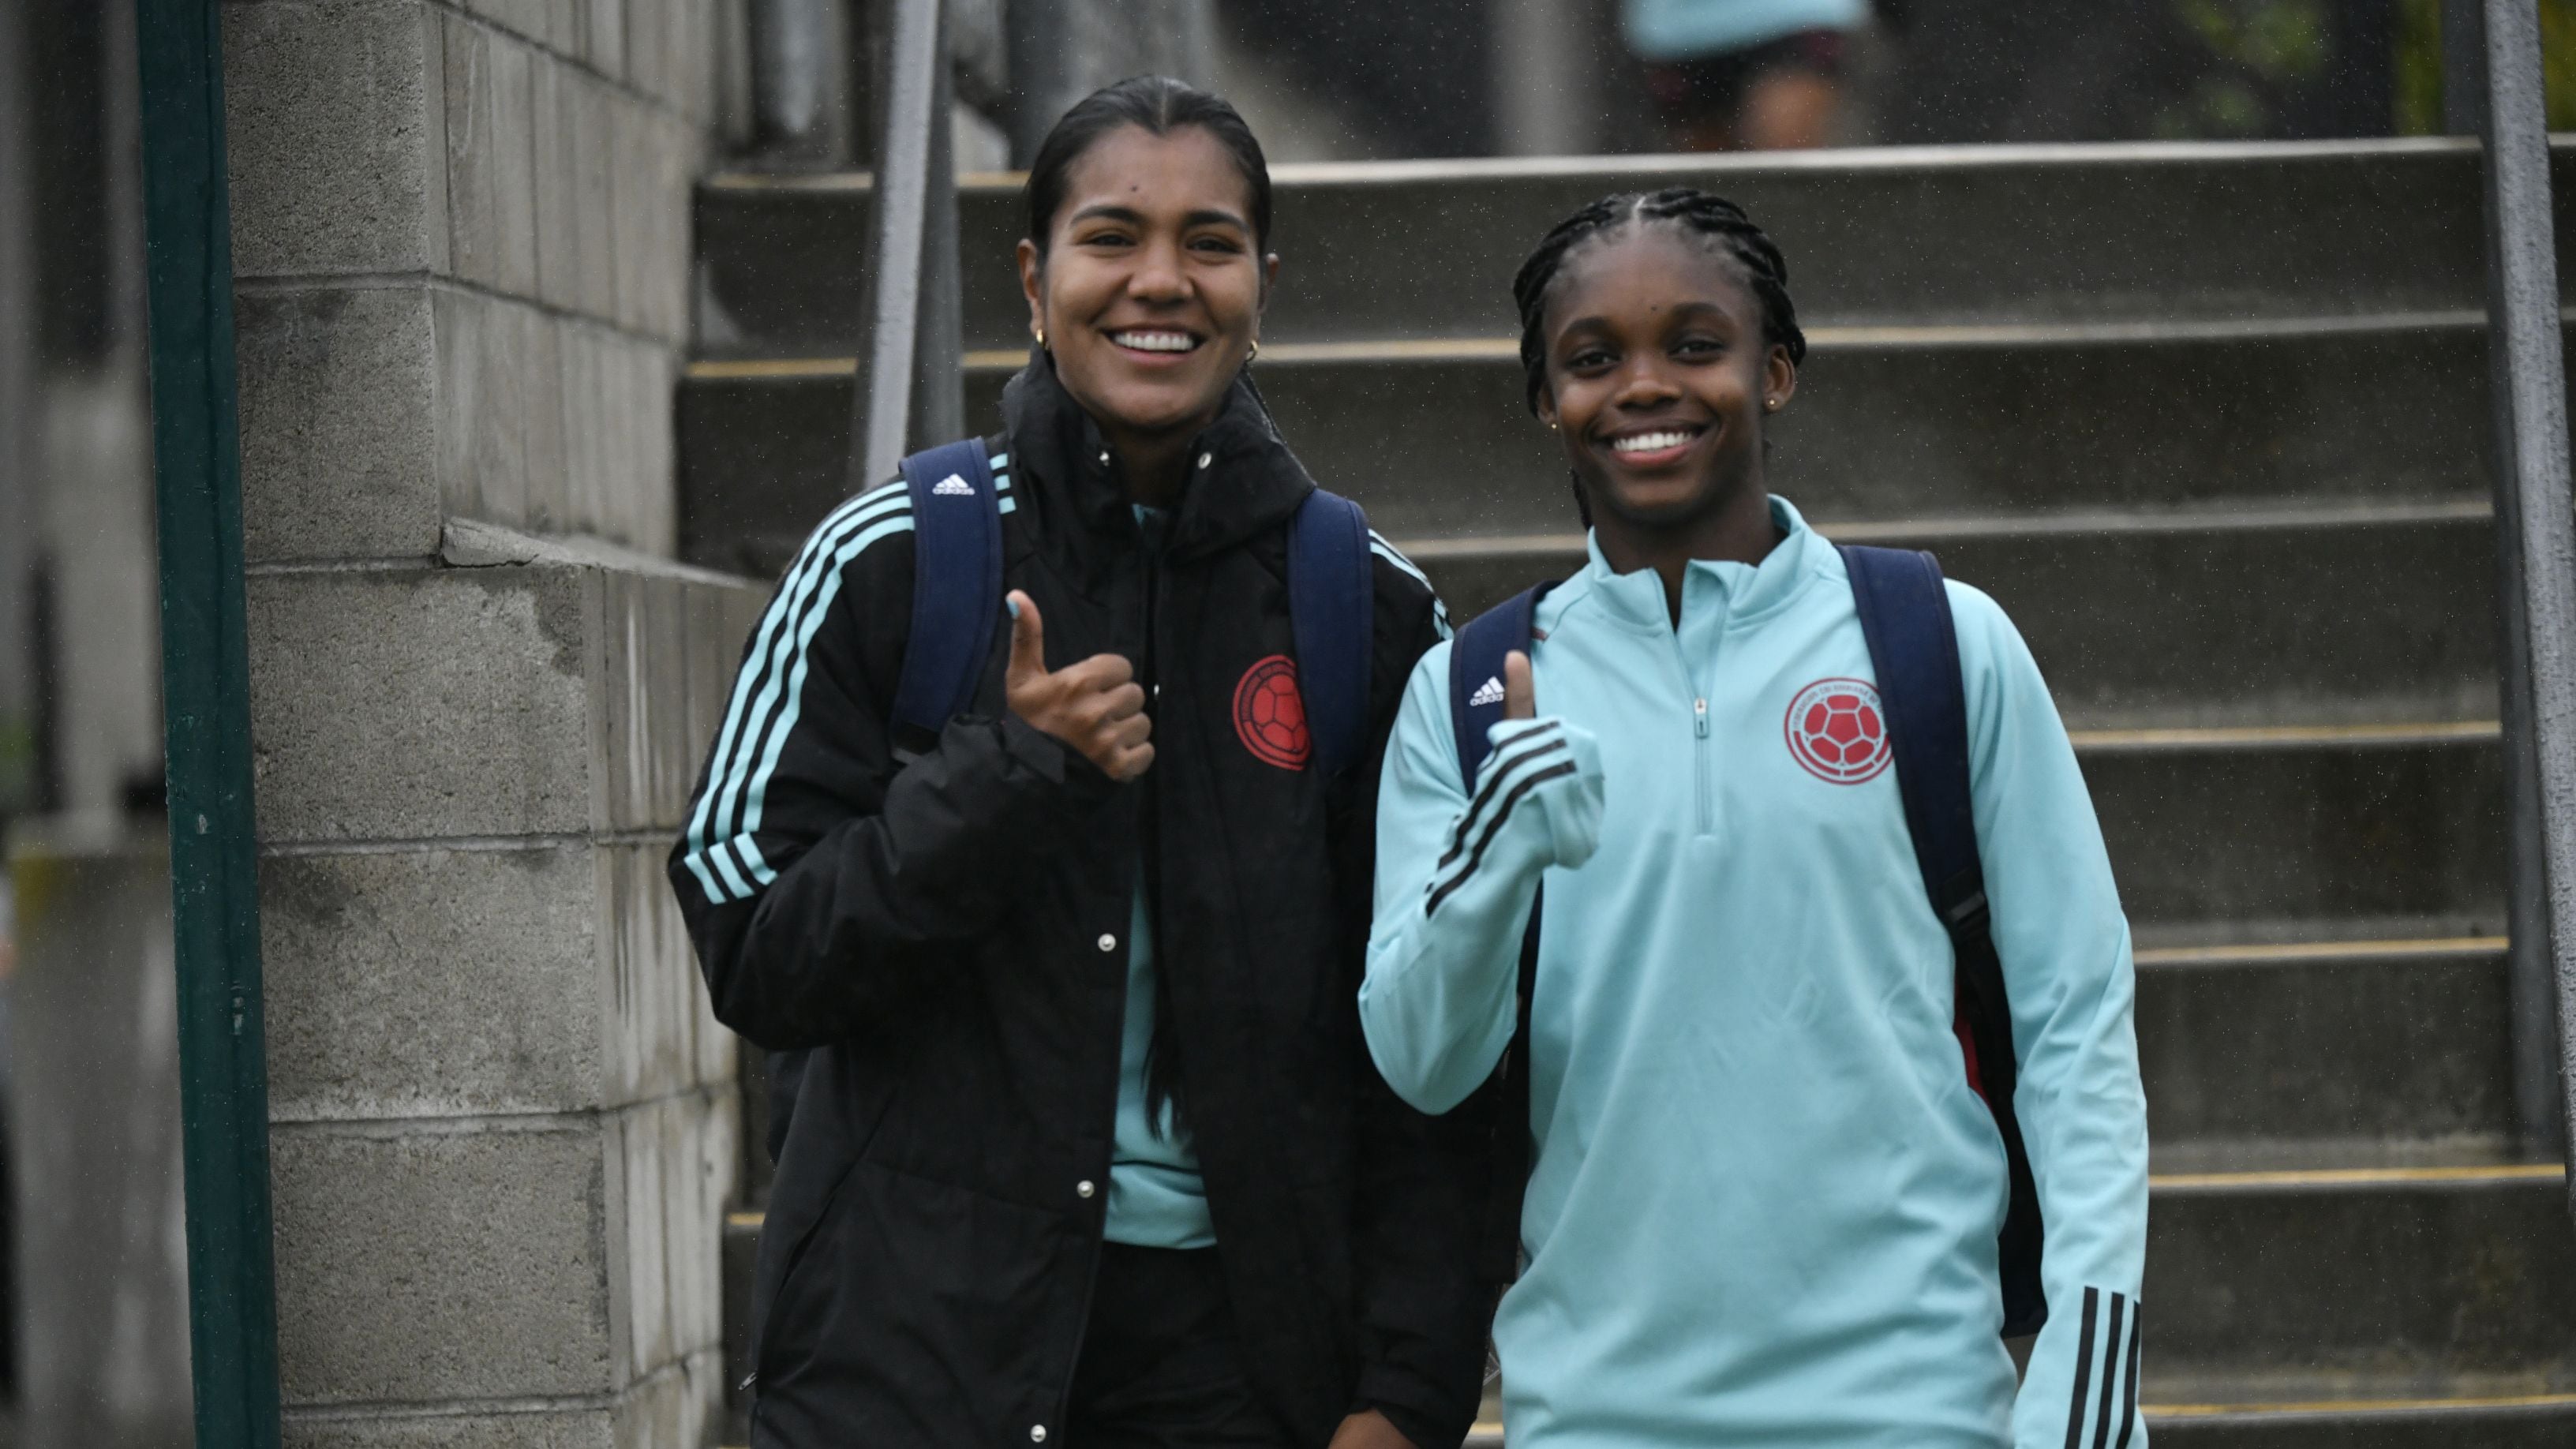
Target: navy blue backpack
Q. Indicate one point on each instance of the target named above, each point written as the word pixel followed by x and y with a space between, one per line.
pixel 1914 648
pixel 957 601
pixel 957 611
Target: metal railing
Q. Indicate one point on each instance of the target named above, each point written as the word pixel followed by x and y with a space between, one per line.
pixel 2536 542
pixel 214 854
pixel 909 392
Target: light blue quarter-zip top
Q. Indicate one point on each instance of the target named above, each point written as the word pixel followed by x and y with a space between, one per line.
pixel 1157 1199
pixel 1765 1198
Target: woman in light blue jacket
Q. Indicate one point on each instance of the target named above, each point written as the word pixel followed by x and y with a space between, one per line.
pixel 1766 1196
pixel 1749 75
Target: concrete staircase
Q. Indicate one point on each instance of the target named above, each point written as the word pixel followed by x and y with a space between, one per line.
pixel 2210 422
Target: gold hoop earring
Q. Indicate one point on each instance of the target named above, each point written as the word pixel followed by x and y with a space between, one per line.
pixel 1041 332
pixel 1255 352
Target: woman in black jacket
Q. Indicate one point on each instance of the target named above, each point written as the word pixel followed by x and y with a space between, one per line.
pixel 1086 1147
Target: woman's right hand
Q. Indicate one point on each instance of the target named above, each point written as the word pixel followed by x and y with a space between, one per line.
pixel 1520 691
pixel 1568 799
pixel 1094 705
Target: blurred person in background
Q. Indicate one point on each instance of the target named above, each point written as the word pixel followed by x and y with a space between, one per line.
pixel 1746 75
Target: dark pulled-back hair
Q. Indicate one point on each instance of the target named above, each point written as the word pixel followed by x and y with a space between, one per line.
pixel 1699 213
pixel 1161 105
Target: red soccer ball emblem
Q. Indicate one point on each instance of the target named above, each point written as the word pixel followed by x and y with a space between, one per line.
pixel 1836 730
pixel 1270 715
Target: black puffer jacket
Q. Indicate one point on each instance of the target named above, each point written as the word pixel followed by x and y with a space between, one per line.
pixel 950 936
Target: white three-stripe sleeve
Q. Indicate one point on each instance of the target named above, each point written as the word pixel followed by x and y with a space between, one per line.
pixel 768 697
pixel 1394 556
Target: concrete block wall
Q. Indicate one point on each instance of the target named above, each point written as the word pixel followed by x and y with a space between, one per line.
pixel 504 1122
pixel 469 222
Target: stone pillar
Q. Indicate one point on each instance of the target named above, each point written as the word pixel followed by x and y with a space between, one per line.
pixel 505 1126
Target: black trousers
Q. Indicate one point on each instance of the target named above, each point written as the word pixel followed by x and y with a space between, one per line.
pixel 1161 1367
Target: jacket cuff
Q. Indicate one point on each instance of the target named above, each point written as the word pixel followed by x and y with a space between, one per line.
pixel 1052 759
pixel 1418 1411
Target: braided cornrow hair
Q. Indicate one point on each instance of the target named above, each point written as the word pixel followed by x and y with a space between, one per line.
pixel 1698 212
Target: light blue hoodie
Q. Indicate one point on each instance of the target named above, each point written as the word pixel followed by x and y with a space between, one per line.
pixel 1700 29
pixel 1765 1199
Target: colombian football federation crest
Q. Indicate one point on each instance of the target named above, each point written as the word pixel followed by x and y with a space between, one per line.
pixel 1270 715
pixel 1838 732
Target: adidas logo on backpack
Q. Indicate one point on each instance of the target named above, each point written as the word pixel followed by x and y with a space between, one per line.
pixel 1489 692
pixel 952 486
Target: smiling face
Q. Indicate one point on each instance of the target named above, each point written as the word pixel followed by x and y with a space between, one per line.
pixel 1658 376
pixel 1150 289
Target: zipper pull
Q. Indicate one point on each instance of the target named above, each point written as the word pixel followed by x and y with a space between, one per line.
pixel 1699 717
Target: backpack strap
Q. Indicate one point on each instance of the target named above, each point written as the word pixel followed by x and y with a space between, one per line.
pixel 956 585
pixel 1332 611
pixel 1475 704
pixel 1914 649
pixel 1476 673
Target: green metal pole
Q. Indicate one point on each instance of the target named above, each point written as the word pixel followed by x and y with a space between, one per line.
pixel 205 683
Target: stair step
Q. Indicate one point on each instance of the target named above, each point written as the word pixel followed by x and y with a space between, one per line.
pixel 1894 422
pixel 2280 833
pixel 2156 740
pixel 1436 440
pixel 2346 612
pixel 1977 235
pixel 2308 1053
pixel 2338 1179
pixel 2389 1275
pixel 2260 1282
pixel 2384 1051
pixel 2527 1421
pixel 2304 833
pixel 2531 1421
pixel 2305 608
pixel 2512 1422
pixel 2367 596
pixel 2337 1049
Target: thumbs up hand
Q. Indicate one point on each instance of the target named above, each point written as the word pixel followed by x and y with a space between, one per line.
pixel 1094 705
pixel 1558 764
pixel 1520 696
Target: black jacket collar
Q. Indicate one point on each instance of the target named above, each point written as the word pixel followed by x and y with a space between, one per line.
pixel 1250 481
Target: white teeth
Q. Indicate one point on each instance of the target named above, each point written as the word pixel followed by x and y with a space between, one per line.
pixel 1650 442
pixel 1155 341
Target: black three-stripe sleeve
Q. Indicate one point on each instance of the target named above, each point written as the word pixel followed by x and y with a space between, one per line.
pixel 1509 756
pixel 2110 1372
pixel 2129 1407
pixel 2083 1372
pixel 2119 1376
pixel 1515 770
pixel 1476 857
